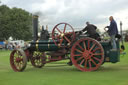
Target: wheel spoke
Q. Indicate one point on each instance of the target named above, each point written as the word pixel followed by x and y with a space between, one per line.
pixel 78 51
pixel 64 28
pixel 20 65
pixel 14 60
pixel 80 47
pixel 97 54
pixel 38 62
pixel 90 65
pixel 85 65
pixel 93 62
pixel 82 62
pixel 67 39
pixel 96 49
pixel 97 59
pixel 58 30
pixel 15 56
pixel 92 47
pixel 79 59
pixel 88 44
pixel 77 55
pixel 84 45
pixel 19 55
pixel 61 42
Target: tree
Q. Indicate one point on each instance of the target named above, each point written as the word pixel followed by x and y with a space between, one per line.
pixel 4 18
pixel 15 22
pixel 21 24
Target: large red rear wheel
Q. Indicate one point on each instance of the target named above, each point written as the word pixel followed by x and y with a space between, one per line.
pixel 87 54
pixel 63 34
pixel 18 60
pixel 38 59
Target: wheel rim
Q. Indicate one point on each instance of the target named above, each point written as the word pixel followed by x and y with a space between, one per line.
pixel 38 59
pixel 18 60
pixel 63 32
pixel 87 54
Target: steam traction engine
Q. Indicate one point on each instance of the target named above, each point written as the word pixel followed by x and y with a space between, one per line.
pixel 85 53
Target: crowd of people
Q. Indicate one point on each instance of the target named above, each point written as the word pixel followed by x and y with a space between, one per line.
pixel 11 45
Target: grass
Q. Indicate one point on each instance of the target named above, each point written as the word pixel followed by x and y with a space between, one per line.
pixel 107 74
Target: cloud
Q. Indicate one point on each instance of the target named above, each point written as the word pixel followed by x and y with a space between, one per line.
pixel 75 12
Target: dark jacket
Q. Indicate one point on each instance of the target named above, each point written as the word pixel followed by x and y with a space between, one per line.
pixel 91 29
pixel 113 30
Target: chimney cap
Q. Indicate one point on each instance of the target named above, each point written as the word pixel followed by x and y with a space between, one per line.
pixel 35 16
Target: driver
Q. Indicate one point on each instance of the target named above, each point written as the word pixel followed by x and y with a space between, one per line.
pixel 91 31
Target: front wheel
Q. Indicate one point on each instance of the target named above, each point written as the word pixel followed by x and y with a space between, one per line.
pixel 18 60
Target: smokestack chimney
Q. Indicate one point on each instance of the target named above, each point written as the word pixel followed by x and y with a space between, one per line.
pixel 35 27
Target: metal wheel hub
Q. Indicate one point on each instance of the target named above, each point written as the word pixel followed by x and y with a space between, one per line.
pixel 37 57
pixel 62 35
pixel 18 60
pixel 87 54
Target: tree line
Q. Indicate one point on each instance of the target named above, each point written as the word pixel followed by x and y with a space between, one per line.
pixel 15 23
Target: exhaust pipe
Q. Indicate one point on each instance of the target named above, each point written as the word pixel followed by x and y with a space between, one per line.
pixel 35 27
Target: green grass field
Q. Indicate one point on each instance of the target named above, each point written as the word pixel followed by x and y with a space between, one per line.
pixel 107 74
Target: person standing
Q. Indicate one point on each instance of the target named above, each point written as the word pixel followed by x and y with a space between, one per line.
pixel 112 31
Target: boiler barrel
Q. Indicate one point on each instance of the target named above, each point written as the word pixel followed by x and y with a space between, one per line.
pixel 44 45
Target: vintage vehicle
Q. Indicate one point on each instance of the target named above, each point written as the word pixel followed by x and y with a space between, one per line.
pixel 85 53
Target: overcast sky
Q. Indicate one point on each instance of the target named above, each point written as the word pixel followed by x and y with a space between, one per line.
pixel 75 12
